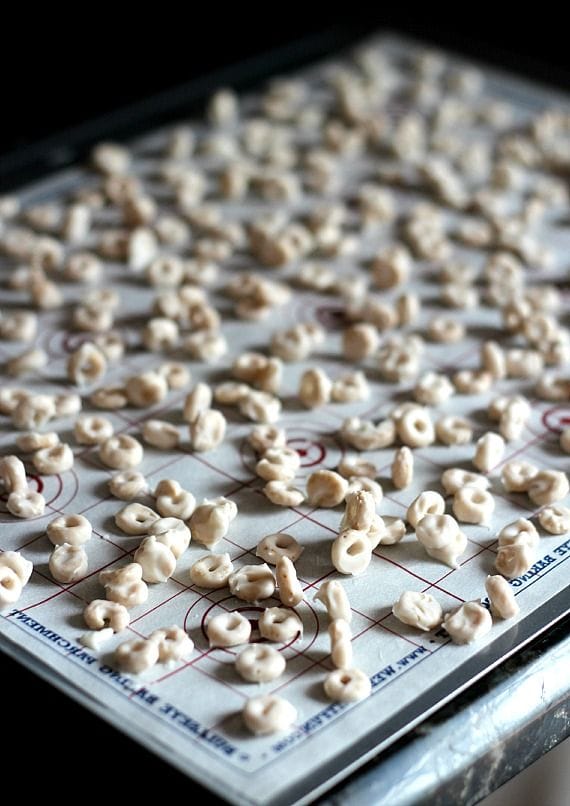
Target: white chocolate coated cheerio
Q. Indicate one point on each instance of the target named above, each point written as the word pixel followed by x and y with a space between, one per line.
pixel 548 486
pixel 419 610
pixel 333 596
pixel 359 511
pixel 121 452
pixel 489 451
pixel 100 613
pixel 212 571
pixel 347 685
pixel 468 623
pixel 341 644
pixel 172 501
pixel 210 521
pixel 402 468
pixel 519 532
pixel 473 505
pixel 137 655
pixel 555 519
pixel 426 503
pixel 54 460
pixel 502 597
pixel 517 475
pixel 515 559
pixel 280 624
pixel 15 571
pixel 156 560
pixel 260 663
pixel 290 589
pixel 351 552
pixel 68 563
pixel 268 714
pixel 228 629
pixel 135 519
pixel 252 582
pixel 173 643
pixel 173 533
pixel 454 478
pixel 75 530
pixel 125 585
pixel 325 488
pixel 277 545
pixel 128 484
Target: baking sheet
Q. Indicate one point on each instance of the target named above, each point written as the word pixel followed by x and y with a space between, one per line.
pixel 189 713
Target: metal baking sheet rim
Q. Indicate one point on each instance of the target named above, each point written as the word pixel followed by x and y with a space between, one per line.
pixel 377 740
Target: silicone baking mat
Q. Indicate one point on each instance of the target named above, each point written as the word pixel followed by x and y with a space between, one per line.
pixel 190 713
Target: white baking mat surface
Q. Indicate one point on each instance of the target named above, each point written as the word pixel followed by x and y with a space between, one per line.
pixel 190 713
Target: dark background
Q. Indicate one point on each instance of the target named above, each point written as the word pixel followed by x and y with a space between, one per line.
pixel 59 69
pixel 53 79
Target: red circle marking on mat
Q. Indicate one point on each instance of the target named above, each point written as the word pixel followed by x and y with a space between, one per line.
pixel 557 418
pixel 311 452
pixel 254 610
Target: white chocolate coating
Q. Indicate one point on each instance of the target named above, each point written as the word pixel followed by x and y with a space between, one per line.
pixel 260 663
pixel 137 655
pixel 454 478
pixel 419 610
pixel 517 475
pixel 156 560
pixel 468 623
pixel 489 450
pixel 548 486
pixel 502 597
pixel 174 644
pixel 351 552
pixel 252 583
pixel 268 714
pixel 212 571
pixel 277 545
pixel 426 503
pixel 125 585
pixel 280 624
pixel 473 505
pixel 173 533
pixel 172 501
pixel 514 560
pixel 341 644
pixel 100 614
pixel 290 589
pixel 228 629
pixel 95 639
pixel 359 511
pixel 210 521
pixel 128 484
pixel 520 532
pixel 25 504
pixel 555 519
pixel 18 564
pixel 68 563
pixel 135 519
pixel 75 530
pixel 325 488
pixel 347 685
pixel 333 595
